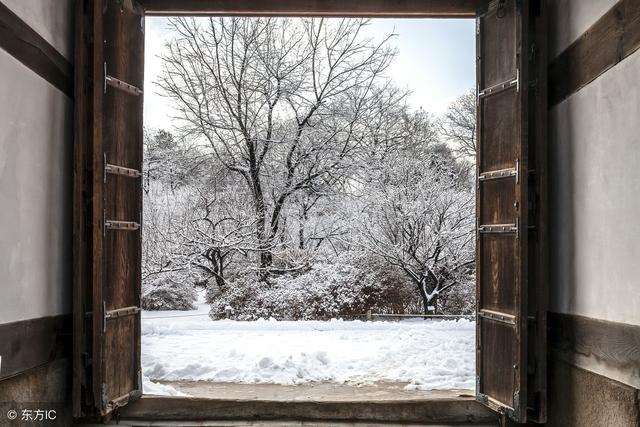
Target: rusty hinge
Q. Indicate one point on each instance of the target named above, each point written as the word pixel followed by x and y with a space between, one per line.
pixel 121 401
pixel 482 398
pixel 499 228
pixel 122 171
pixel 502 173
pixel 119 84
pixel 121 225
pixel 119 170
pixel 117 313
pixel 121 312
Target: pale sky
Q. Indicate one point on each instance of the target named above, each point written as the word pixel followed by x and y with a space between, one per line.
pixel 436 61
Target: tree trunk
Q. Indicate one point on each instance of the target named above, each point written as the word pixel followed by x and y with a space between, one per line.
pixel 301 227
pixel 426 302
pixel 263 236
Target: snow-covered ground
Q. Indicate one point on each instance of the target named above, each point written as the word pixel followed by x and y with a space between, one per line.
pixel 187 345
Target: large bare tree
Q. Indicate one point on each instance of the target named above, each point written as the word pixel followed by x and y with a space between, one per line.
pixel 285 104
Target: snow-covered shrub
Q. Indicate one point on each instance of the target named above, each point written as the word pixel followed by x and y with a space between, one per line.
pixel 461 299
pixel 327 290
pixel 168 291
pixel 389 291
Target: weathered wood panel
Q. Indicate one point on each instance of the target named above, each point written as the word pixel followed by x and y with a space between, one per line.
pixel 501 260
pixel 615 36
pixel 107 283
pixel 122 139
pixel 404 8
pixel 28 344
pixel 613 344
pixel 456 409
pixel 28 47
pixel 511 293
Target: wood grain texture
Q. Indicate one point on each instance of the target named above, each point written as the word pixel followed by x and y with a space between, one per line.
pixel 28 344
pixel 501 266
pixel 615 36
pixel 27 46
pixel 437 411
pixel 81 233
pixel 399 8
pixel 107 270
pixel 610 343
pixel 95 199
pixel 122 135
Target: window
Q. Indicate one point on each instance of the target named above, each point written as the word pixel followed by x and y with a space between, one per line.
pixel 510 211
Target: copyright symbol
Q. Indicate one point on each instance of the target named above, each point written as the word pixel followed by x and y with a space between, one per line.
pixel 12 414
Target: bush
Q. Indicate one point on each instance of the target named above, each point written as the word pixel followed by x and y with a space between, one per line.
pixel 325 291
pixel 168 291
pixel 461 299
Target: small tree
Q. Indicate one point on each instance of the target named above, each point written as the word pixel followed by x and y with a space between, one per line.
pixel 419 217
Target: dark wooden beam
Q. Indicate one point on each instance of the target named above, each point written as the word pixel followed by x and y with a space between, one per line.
pixel 615 36
pixel 28 344
pixel 371 8
pixel 616 345
pixel 27 46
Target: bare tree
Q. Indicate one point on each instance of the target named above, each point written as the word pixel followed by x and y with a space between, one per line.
pixel 217 228
pixel 283 104
pixel 458 125
pixel 419 217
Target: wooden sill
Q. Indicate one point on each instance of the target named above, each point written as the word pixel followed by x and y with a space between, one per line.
pixel 343 403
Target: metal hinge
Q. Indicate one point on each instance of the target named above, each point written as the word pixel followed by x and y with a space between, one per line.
pixel 502 173
pixel 499 228
pixel 119 84
pixel 482 398
pixel 514 413
pixel 117 313
pixel 500 87
pixel 122 312
pixel 121 225
pixel 120 170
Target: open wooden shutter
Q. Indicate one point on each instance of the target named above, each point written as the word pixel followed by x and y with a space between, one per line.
pixel 511 288
pixel 107 205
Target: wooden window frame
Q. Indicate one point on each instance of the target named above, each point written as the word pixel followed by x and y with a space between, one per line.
pixel 311 8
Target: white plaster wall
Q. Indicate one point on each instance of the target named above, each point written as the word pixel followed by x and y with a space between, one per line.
pixel 595 198
pixel 52 19
pixel 35 195
pixel 568 19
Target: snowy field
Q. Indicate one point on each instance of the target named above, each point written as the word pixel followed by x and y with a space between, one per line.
pixel 187 345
